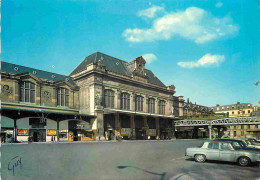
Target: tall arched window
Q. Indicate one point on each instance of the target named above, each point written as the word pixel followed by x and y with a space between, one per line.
pixel 151 105
pixel 139 103
pixel 27 92
pixel 125 101
pixel 62 97
pixel 161 107
pixel 109 98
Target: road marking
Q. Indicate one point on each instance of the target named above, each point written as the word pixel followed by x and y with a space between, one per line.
pixel 178 158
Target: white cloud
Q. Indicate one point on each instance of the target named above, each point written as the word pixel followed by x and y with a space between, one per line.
pixel 194 24
pixel 150 12
pixel 205 61
pixel 149 58
pixel 219 4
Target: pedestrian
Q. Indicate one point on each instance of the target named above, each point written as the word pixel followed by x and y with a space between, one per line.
pixel 54 139
pixel 51 138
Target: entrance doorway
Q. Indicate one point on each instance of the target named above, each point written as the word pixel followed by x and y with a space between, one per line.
pixel 38 135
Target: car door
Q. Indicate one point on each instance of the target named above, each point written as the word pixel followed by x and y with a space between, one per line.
pixel 212 152
pixel 226 153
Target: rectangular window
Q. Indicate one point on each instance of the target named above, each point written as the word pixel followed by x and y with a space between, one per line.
pixel 139 103
pixel 27 92
pixel 232 112
pixel 256 126
pixel 109 98
pixel 248 126
pixel 161 107
pixel 248 111
pixel 62 97
pixel 242 133
pixel 125 101
pixel 151 105
pixel 235 133
pixel 242 126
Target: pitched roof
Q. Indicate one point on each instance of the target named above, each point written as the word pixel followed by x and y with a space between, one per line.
pixel 229 107
pixel 115 65
pixel 43 75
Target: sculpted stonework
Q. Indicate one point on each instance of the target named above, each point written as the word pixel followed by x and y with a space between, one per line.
pixel 98 99
pixel 47 95
pixel 6 90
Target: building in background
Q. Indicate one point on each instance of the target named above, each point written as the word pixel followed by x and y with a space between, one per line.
pixel 238 110
pixel 103 98
pixel 196 112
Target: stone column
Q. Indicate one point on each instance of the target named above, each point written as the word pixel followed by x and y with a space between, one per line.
pixel 132 123
pixel 15 130
pixel 145 123
pixel 173 130
pixel 157 128
pixel 210 128
pixel 100 124
pixel 117 125
pixel 58 129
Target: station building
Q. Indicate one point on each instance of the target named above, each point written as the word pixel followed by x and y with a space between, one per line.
pixel 104 98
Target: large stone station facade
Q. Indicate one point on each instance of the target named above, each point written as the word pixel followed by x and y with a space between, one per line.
pixel 104 98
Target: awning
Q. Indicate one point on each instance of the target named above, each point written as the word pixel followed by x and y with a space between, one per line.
pixel 47 111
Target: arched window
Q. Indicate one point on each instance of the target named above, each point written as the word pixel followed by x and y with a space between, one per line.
pixel 151 105
pixel 125 101
pixel 62 97
pixel 161 107
pixel 139 103
pixel 109 99
pixel 27 92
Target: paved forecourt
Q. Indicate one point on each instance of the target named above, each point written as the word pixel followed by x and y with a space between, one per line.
pixel 114 160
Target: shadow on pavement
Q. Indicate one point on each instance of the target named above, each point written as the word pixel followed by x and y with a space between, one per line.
pixel 223 162
pixel 162 176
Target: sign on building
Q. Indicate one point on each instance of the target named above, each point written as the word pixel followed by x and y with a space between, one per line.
pixel 126 131
pixel 22 132
pixel 51 132
pixel 151 132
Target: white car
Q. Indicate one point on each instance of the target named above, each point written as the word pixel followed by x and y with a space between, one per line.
pixel 223 151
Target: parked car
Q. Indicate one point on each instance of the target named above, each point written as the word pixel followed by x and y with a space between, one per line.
pixel 222 151
pixel 254 141
pixel 239 144
pixel 249 142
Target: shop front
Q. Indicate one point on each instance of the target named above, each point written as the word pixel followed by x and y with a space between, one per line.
pixel 7 130
pixel 166 130
pixel 151 132
pixel 139 127
pixel 109 126
pixel 126 131
pixel 80 130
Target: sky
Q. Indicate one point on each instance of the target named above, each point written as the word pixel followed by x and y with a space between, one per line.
pixel 209 50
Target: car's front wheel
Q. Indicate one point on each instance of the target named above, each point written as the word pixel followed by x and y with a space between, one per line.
pixel 244 161
pixel 200 158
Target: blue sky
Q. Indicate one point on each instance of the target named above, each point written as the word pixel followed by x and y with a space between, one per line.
pixel 208 49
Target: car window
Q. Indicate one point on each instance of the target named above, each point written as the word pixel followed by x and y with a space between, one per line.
pixel 213 146
pixel 236 145
pixel 226 146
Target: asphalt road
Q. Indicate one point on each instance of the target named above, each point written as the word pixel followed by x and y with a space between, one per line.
pixel 114 160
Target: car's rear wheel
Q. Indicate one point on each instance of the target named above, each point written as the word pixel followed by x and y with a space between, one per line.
pixel 200 158
pixel 244 161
